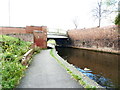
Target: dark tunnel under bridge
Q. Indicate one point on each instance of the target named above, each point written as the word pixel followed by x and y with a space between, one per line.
pixel 60 40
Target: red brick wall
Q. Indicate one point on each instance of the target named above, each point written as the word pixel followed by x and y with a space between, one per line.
pixel 23 33
pixel 40 39
pixel 25 37
pixel 11 30
pixel 30 29
pixel 98 37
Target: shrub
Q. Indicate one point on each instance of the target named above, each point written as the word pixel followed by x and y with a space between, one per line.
pixel 11 73
pixel 117 19
pixel 11 68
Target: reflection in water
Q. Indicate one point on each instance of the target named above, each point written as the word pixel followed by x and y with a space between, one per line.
pixel 102 67
pixel 105 82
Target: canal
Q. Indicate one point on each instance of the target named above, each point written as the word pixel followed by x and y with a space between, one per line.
pixel 100 67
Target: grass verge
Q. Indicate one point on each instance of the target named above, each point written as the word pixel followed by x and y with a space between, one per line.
pixel 11 69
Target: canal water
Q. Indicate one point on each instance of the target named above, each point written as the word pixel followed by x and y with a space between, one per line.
pixel 100 67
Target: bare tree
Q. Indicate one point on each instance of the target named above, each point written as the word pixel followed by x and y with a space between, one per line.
pixel 101 10
pixel 97 12
pixel 75 22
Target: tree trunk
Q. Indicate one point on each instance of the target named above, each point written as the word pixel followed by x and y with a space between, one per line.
pixel 100 4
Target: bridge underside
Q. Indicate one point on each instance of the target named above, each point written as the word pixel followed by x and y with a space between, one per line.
pixel 61 41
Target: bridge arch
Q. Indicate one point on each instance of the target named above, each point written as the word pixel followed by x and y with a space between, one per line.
pixel 61 40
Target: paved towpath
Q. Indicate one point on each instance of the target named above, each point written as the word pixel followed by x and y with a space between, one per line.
pixel 45 72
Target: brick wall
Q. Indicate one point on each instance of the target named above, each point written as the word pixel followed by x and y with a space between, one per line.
pixel 40 35
pixel 25 37
pixel 30 29
pixel 27 34
pixel 11 30
pixel 96 37
pixel 40 39
pixel 17 30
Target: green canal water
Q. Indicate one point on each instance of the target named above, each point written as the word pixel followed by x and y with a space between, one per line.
pixel 101 67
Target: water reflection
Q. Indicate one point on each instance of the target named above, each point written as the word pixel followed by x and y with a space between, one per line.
pixel 103 67
pixel 105 82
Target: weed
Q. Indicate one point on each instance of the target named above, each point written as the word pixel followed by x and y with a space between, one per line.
pixel 90 87
pixel 37 50
pixel 82 82
pixel 12 70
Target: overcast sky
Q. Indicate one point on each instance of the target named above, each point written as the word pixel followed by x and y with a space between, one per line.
pixel 51 13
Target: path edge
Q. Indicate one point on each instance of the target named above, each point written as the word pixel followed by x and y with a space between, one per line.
pixel 84 80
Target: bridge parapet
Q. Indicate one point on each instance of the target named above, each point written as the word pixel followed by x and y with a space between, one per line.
pixel 55 31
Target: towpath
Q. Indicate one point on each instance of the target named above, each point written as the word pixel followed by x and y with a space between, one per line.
pixel 46 72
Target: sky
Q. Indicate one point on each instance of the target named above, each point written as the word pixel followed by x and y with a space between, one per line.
pixel 51 13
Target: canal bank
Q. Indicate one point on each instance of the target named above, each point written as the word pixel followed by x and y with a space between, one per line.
pixel 85 81
pixel 103 68
pixel 103 49
pixel 102 39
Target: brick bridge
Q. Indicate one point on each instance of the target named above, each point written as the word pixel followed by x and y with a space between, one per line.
pixel 37 34
pixel 61 40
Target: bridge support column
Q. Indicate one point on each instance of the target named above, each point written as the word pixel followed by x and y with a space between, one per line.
pixel 40 38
